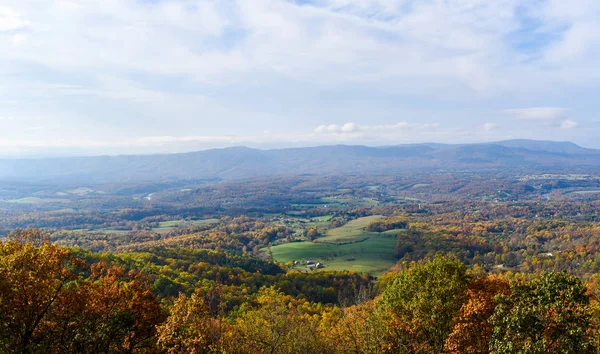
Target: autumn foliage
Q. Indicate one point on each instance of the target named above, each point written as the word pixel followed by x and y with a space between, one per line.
pixel 52 301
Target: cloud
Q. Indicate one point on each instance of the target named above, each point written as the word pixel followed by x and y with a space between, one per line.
pixel 547 116
pixel 348 133
pixel 350 128
pixel 345 128
pixel 462 43
pixel 540 114
pixel 175 68
pixel 490 126
pixel 11 20
pixel 568 124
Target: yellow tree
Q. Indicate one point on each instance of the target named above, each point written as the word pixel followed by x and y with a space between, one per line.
pixel 47 304
pixel 192 327
pixel 472 330
pixel 361 329
pixel 277 325
pixel 121 312
pixel 38 278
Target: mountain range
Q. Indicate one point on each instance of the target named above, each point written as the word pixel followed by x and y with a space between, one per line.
pixel 527 156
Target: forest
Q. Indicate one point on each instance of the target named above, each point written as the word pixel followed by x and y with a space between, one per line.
pixel 334 265
pixel 62 300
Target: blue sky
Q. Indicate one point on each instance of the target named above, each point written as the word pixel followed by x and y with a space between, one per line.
pixel 121 76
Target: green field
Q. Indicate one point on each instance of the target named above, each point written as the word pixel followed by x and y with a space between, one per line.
pixel 323 218
pixel 344 248
pixel 353 231
pixel 167 226
pixel 373 256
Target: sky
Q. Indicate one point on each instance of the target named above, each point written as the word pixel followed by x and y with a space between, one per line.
pixel 85 77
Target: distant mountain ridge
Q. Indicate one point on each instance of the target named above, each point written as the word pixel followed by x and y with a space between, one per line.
pixel 243 162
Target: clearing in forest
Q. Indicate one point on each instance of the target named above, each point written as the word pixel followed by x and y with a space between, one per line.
pixel 374 255
pixel 349 247
pixel 353 231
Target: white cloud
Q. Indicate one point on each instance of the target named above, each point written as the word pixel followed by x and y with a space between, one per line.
pixel 568 124
pixel 547 116
pixel 490 126
pixel 377 135
pixel 353 128
pixel 458 43
pixel 541 114
pixel 11 20
pixel 127 67
pixel 349 128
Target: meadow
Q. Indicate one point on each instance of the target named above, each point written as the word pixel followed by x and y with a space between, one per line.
pixel 348 247
pixel 166 226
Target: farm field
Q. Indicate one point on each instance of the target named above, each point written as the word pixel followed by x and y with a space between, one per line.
pixel 374 255
pixel 299 223
pixel 167 226
pixel 349 247
pixel 353 231
pixel 349 201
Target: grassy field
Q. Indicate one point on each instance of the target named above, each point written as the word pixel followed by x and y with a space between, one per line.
pixel 353 231
pixel 323 218
pixel 344 248
pixel 374 255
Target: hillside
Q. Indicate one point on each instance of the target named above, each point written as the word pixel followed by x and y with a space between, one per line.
pixel 242 162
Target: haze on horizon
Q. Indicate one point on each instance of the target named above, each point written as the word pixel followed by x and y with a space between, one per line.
pixel 81 77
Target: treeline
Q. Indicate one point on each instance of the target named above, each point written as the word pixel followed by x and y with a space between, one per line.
pixel 388 224
pixel 58 300
pixel 174 271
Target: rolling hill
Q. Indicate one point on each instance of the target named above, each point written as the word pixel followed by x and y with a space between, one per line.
pixel 241 162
